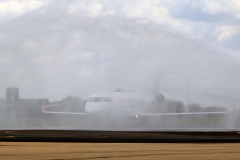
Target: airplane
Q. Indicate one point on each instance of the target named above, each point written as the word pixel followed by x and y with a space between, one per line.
pixel 129 104
pixel 133 104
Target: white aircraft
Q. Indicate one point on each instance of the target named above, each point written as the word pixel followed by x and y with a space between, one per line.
pixel 130 104
pixel 134 104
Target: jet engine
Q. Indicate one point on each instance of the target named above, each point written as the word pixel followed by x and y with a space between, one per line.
pixel 159 98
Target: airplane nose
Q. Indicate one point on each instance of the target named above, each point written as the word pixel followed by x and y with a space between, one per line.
pixel 92 107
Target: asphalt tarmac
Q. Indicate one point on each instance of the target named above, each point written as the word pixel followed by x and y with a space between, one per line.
pixel 120 136
pixel 71 144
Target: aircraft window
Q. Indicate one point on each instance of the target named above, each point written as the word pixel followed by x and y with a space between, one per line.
pixel 99 99
pixel 106 99
pixel 94 99
pixel 90 99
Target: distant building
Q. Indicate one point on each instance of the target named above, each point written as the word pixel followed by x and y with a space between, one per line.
pixel 12 99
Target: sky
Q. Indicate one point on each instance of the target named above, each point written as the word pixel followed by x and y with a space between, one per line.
pixel 52 49
pixel 215 20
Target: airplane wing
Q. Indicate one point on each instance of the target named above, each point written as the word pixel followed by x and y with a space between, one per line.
pixel 175 114
pixel 65 113
pixel 60 113
pixel 187 113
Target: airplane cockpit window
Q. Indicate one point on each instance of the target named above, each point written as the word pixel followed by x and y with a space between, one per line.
pixel 90 99
pixel 99 99
pixel 106 99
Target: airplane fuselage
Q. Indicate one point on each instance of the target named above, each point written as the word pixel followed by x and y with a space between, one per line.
pixel 127 102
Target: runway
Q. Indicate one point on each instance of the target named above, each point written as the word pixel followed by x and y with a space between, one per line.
pixel 120 136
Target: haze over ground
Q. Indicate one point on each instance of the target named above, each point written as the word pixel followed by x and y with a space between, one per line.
pixel 77 48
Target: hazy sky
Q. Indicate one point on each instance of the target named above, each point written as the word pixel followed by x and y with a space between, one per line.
pixel 215 20
pixel 57 48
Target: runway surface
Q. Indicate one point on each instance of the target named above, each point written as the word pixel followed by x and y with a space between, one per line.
pixel 120 136
pixel 78 151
